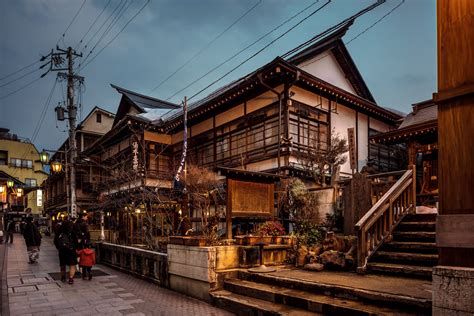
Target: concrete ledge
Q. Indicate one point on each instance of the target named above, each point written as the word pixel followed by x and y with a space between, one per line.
pixel 453 290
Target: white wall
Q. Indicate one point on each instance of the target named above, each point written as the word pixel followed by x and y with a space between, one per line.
pixel 344 119
pixel 326 67
pixel 378 125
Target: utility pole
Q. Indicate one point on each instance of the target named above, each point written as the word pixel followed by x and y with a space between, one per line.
pixel 57 63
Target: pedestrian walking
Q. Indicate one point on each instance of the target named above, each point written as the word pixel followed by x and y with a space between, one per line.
pixel 86 261
pixel 65 241
pixel 32 237
pixel 81 228
pixel 10 231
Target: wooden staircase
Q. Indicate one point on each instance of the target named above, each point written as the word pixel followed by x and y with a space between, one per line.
pixel 393 239
pixel 412 251
pixel 262 294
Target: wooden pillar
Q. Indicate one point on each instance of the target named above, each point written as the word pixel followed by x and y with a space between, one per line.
pixel 455 99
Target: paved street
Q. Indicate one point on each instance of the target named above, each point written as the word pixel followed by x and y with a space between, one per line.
pixel 32 291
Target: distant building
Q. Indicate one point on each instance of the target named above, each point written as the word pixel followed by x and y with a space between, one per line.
pixel 20 161
pixel 94 126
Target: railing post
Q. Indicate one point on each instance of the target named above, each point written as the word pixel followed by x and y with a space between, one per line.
pixel 413 193
pixel 361 251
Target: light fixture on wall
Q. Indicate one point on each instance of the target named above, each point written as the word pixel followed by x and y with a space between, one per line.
pixel 2 188
pixel 10 183
pixel 56 166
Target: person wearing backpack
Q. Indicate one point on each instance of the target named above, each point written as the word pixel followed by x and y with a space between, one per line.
pixel 32 240
pixel 65 241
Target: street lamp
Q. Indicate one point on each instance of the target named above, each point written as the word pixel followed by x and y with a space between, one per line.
pixel 44 157
pixel 19 192
pixel 10 183
pixel 56 166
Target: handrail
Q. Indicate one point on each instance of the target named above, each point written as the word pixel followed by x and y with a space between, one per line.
pixel 377 225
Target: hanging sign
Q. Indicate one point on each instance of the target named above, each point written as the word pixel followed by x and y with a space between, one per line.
pixel 135 155
pixel 177 183
pixel 352 147
pixel 39 198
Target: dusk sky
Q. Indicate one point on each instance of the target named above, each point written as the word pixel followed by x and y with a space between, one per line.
pixel 396 57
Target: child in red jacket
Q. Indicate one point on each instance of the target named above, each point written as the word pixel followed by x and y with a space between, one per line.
pixel 86 261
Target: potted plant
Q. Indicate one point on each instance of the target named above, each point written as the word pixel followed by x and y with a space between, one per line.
pixel 271 231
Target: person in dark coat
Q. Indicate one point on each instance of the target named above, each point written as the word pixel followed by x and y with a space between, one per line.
pixel 81 229
pixel 10 231
pixel 65 241
pixel 32 239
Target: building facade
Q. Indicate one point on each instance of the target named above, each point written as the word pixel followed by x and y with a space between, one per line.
pixel 20 160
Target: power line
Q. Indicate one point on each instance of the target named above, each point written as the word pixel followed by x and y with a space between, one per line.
pixel 116 35
pixel 206 46
pixel 93 23
pixel 245 48
pixel 360 33
pixel 100 28
pixel 72 21
pixel 21 77
pixel 19 89
pixel 112 23
pixel 19 70
pixel 261 50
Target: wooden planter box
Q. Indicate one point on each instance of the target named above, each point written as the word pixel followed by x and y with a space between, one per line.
pixel 194 241
pixel 287 240
pixel 252 240
pixel 277 240
pixel 239 240
pixel 176 240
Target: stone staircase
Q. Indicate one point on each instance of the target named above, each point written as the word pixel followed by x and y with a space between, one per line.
pixel 412 251
pixel 267 294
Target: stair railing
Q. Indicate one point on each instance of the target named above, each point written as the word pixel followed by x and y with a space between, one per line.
pixel 377 225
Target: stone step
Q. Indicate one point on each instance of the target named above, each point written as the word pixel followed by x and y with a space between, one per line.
pixel 414 236
pixel 319 303
pixel 420 259
pixel 249 306
pixel 419 218
pixel 402 270
pixel 341 291
pixel 417 226
pixel 407 246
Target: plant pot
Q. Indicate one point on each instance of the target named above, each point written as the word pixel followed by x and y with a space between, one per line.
pixel 266 239
pixel 251 240
pixel 277 240
pixel 287 240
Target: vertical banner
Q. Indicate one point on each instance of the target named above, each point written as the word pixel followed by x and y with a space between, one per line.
pixel 352 148
pixel 177 182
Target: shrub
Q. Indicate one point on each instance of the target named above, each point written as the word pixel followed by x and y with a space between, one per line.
pixel 271 228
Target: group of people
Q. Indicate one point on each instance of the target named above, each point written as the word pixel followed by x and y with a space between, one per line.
pixel 72 239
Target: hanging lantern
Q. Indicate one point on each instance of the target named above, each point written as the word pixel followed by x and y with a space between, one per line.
pixel 44 157
pixel 19 192
pixel 56 166
pixel 10 183
pixel 2 188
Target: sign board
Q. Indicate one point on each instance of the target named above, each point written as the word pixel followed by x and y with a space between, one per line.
pixel 352 147
pixel 250 199
pixel 39 198
pixel 135 156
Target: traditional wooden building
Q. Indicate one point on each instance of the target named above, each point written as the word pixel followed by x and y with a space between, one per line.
pixel 419 133
pixel 263 122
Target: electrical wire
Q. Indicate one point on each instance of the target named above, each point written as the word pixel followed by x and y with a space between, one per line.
pixel 72 21
pixel 100 28
pixel 109 27
pixel 21 77
pixel 92 25
pixel 260 50
pixel 19 89
pixel 19 70
pixel 116 35
pixel 244 49
pixel 206 46
pixel 360 33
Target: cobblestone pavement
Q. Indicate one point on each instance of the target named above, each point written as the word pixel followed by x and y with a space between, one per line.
pixel 32 291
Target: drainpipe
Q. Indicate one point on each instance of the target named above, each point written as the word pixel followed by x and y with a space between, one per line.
pixel 279 95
